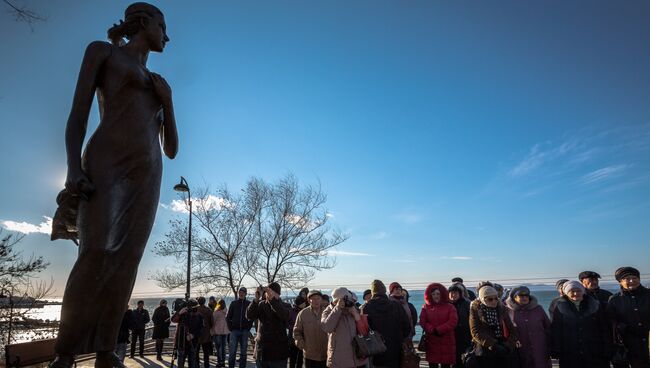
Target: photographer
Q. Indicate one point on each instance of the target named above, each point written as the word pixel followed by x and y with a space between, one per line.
pixel 188 332
pixel 339 322
pixel 272 345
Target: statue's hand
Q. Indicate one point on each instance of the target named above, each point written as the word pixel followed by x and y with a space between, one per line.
pixel 78 183
pixel 162 88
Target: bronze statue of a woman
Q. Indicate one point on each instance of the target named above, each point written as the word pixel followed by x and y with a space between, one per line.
pixel 114 187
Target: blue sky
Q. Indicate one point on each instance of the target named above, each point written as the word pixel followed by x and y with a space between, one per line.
pixel 497 140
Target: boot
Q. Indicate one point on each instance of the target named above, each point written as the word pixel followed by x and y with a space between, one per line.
pixel 107 359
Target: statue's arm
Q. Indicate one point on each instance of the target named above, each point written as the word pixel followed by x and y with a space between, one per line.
pixel 168 131
pixel 96 53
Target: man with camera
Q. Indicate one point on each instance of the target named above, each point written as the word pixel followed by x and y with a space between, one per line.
pixel 188 331
pixel 272 344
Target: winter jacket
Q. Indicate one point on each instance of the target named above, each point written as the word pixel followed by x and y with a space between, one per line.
pixel 552 306
pixel 629 311
pixel 309 336
pixel 161 321
pixel 482 333
pixel 219 325
pixel 391 321
pixel 438 320
pixel 206 313
pixel 534 333
pixel 414 315
pixel 580 338
pixel 271 342
pixel 236 317
pixel 600 295
pixel 188 323
pixel 408 313
pixel 462 332
pixel 341 329
pixel 125 326
pixel 140 319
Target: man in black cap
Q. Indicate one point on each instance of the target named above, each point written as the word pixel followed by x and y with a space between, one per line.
pixel 459 280
pixel 239 327
pixel 629 310
pixel 272 343
pixel 589 280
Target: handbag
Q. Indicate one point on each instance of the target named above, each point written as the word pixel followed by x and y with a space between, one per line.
pixel 422 344
pixel 409 358
pixel 369 345
pixel 469 358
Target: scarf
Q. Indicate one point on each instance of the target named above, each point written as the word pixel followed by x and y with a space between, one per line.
pixel 492 319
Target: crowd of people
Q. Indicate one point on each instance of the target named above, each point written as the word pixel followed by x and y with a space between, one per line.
pixel 586 327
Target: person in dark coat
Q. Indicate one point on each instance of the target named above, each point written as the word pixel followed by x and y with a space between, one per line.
pixel 457 297
pixel 123 335
pixel 412 310
pixel 438 319
pixel 493 333
pixel 272 343
pixel 205 340
pixel 391 321
pixel 553 305
pixel 396 294
pixel 161 321
pixel 589 280
pixel 188 331
pixel 580 333
pixel 140 320
pixel 239 327
pixel 295 353
pixel 533 328
pixel 470 294
pixel 629 311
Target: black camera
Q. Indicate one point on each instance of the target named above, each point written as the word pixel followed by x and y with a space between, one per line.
pixel 348 302
pixel 179 304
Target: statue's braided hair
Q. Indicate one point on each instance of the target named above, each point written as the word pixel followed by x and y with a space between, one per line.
pixel 131 24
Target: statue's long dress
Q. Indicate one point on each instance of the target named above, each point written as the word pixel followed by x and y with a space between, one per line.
pixel 123 160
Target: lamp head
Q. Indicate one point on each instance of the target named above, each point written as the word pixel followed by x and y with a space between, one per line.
pixel 181 188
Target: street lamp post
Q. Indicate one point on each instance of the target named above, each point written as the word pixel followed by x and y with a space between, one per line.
pixel 184 187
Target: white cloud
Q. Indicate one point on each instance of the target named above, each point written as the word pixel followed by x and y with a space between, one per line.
pixel 538 156
pixel 27 228
pixel 458 258
pixel 604 174
pixel 350 254
pixel 209 203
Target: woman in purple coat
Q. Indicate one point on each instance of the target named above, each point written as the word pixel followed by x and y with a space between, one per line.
pixel 533 328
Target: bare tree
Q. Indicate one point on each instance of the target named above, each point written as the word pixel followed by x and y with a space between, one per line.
pixel 19 293
pixel 292 232
pixel 22 13
pixel 221 257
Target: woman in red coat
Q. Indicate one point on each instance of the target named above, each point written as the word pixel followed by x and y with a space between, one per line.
pixel 438 319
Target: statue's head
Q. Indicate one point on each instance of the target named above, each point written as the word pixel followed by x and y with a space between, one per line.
pixel 141 20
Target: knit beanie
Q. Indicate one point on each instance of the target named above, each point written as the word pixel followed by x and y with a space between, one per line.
pixel 299 300
pixel 377 287
pixel 519 290
pixel 560 283
pixel 393 286
pixel 623 272
pixel 275 287
pixel 367 292
pixel 340 293
pixel 572 285
pixel 486 292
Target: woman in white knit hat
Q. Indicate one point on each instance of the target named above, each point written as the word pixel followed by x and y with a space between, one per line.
pixel 493 333
pixel 339 322
pixel 580 333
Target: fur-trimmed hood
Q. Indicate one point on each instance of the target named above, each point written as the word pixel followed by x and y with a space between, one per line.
pixel 444 294
pixel 588 306
pixel 511 304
